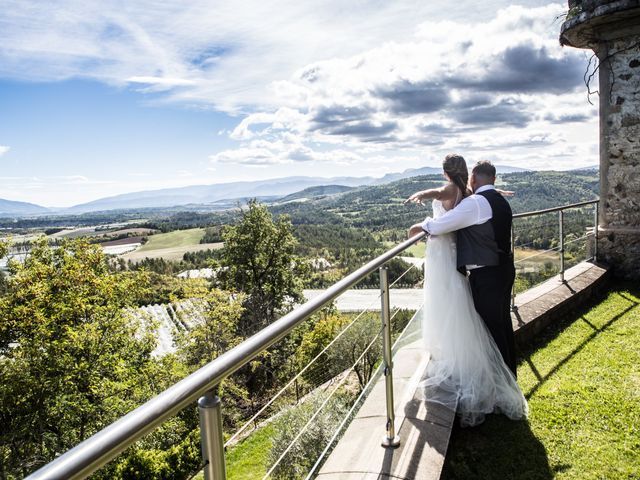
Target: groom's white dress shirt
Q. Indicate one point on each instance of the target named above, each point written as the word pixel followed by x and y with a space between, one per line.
pixel 472 210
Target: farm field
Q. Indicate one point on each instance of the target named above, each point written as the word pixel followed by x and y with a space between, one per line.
pixel 522 255
pixel 535 257
pixel 171 245
pixel 100 231
pixel 170 253
pixel 178 238
pixel 417 250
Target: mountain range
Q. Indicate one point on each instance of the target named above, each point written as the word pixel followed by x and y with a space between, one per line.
pixel 11 208
pixel 210 194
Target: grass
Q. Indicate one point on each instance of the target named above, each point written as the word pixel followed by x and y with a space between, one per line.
pixel 249 459
pixel 171 246
pixel 418 250
pixel 178 238
pixel 534 256
pixel 582 380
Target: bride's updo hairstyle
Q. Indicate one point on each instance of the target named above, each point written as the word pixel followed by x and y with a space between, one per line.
pixel 456 169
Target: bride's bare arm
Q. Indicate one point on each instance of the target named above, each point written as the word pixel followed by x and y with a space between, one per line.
pixel 443 194
pixel 505 193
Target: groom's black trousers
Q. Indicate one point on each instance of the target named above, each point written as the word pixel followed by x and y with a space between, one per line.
pixel 491 290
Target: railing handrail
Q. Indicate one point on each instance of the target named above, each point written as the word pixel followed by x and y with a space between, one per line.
pixel 96 451
pixel 555 209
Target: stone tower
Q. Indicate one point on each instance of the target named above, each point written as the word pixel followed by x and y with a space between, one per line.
pixel 612 30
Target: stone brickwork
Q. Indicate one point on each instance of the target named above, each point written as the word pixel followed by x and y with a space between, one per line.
pixel 619 242
pixel 612 30
pixel 619 105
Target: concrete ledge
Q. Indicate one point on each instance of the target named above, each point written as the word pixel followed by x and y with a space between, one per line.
pixel 540 306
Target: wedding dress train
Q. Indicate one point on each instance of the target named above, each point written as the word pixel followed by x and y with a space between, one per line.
pixel 466 370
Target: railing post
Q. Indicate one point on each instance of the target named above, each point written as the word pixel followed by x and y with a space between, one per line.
pixel 595 233
pixel 513 252
pixel 561 225
pixel 390 439
pixel 211 438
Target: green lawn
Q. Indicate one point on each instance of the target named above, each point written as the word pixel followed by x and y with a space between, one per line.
pixel 249 459
pixel 582 380
pixel 418 250
pixel 178 238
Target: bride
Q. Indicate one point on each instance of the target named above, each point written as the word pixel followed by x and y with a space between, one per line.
pixel 466 370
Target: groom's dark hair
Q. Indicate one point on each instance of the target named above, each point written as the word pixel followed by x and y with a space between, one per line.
pixel 484 170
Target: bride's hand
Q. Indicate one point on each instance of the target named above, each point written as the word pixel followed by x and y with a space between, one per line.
pixel 415 230
pixel 415 198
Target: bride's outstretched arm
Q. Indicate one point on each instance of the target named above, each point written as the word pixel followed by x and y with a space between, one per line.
pixel 505 193
pixel 442 193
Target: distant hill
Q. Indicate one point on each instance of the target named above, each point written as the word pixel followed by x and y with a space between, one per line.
pixel 500 169
pixel 590 167
pixel 381 206
pixel 416 172
pixel 202 194
pixel 315 192
pixel 275 187
pixel 11 208
pixel 223 195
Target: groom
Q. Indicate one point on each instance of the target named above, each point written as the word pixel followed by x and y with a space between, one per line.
pixel 482 223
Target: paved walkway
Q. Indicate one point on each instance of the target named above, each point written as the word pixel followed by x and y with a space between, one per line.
pixel 358 300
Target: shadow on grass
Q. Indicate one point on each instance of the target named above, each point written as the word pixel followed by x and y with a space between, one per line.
pixel 553 331
pixel 499 449
pixel 503 449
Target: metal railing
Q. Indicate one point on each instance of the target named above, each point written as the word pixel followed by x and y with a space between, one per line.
pixel 200 387
pixel 561 235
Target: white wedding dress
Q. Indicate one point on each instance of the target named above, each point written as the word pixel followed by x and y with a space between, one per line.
pixel 466 370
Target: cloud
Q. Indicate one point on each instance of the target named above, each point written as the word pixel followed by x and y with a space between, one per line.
pixel 365 130
pixel 520 140
pixel 161 83
pixel 246 156
pixel 225 54
pixel 338 83
pixel 72 179
pixel 524 69
pixel 4 149
pixel 420 97
pixel 504 113
pixel 502 75
pixel 576 117
pixel 263 152
pixel 262 123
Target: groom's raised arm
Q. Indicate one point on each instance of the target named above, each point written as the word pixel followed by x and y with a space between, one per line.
pixel 472 210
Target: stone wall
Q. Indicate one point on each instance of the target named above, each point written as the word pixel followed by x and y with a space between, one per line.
pixel 620 154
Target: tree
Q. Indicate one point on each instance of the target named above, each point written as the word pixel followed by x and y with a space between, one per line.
pixel 72 359
pixel 209 336
pixel 326 325
pixel 258 259
pixel 213 333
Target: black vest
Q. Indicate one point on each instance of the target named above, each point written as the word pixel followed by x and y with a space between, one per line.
pixel 488 243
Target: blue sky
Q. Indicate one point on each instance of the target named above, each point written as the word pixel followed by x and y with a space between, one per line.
pixel 102 98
